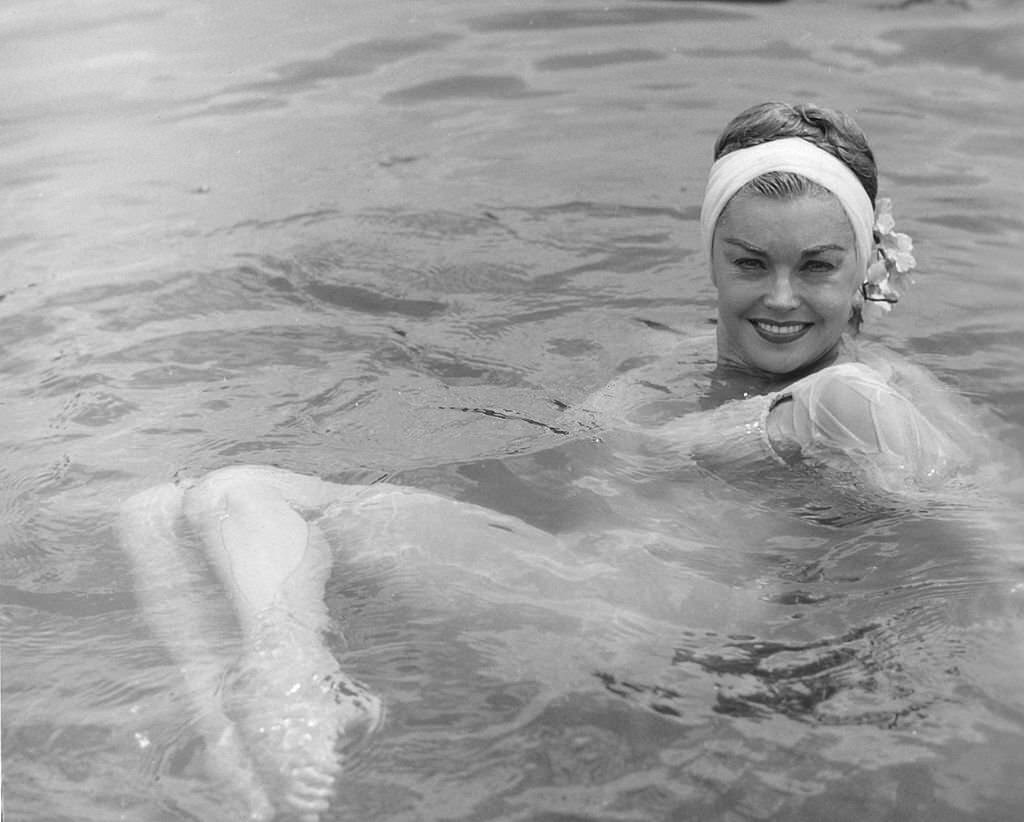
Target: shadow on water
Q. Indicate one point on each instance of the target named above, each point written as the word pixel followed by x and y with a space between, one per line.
pixel 549 19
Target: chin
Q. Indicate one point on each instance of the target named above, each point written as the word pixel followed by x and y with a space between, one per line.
pixel 748 352
pixel 792 363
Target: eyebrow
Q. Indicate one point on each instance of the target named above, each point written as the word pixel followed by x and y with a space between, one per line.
pixel 753 249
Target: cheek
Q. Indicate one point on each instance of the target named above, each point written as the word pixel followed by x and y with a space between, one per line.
pixel 854 280
pixel 845 293
pixel 838 306
pixel 731 301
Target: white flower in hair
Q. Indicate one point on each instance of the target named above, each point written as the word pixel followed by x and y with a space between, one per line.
pixel 893 259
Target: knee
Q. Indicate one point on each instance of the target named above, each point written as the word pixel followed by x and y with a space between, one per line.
pixel 223 481
pixel 217 489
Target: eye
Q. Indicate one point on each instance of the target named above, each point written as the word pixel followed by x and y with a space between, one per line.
pixel 819 266
pixel 748 263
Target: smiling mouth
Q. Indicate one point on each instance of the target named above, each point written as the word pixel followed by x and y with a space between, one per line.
pixel 780 332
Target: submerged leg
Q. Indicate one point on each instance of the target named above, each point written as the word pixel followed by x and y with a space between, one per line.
pixel 169 582
pixel 292 703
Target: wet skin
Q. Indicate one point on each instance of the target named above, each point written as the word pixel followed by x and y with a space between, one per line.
pixel 787 276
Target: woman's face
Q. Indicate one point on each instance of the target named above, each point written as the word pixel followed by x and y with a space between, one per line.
pixel 787 276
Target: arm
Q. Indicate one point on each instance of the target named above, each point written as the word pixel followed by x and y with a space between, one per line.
pixel 848 410
pixel 846 415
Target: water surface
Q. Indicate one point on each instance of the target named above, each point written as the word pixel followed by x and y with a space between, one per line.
pixel 398 240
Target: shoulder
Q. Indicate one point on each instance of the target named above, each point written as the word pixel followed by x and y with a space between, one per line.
pixel 896 421
pixel 938 400
pixel 846 406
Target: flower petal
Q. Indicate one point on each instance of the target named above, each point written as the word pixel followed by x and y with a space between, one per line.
pixel 878 272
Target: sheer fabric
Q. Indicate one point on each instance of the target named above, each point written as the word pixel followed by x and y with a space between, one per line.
pixel 850 412
pixel 881 422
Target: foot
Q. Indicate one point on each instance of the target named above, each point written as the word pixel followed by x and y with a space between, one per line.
pixel 296 712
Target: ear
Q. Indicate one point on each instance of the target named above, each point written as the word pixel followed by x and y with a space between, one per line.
pixel 857 309
pixel 857 300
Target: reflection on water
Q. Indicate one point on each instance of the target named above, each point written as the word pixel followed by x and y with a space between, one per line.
pixel 406 243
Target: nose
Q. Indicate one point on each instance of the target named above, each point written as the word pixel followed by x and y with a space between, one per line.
pixel 781 295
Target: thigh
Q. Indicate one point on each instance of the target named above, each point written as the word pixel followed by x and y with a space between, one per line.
pixel 419 528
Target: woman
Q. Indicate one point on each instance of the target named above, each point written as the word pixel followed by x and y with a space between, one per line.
pixel 788 225
pixel 791 280
pixel 789 229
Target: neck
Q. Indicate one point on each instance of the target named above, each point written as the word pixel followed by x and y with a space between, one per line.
pixel 753 380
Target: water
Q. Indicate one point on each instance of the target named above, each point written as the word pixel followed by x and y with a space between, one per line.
pixel 396 240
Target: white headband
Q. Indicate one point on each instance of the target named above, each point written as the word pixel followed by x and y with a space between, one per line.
pixel 737 168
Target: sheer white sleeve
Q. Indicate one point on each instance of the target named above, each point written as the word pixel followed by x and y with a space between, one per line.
pixel 849 413
pixel 846 417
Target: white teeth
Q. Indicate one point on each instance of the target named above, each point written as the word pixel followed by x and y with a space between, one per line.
pixel 779 329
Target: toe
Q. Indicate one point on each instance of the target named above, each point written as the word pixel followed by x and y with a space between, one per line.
pixel 316 777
